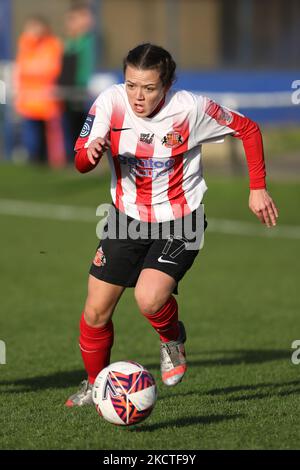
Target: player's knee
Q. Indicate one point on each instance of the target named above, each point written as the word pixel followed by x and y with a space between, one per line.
pixel 148 302
pixel 95 316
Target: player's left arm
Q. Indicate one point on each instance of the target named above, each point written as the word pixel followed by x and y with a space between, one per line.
pixel 260 201
pixel 263 206
pixel 220 120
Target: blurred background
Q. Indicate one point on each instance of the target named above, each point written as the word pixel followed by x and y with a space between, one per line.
pixel 243 53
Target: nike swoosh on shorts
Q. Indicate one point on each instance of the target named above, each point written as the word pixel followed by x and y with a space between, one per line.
pixel 116 129
pixel 160 260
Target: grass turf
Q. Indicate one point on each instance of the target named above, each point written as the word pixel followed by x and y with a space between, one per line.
pixel 239 302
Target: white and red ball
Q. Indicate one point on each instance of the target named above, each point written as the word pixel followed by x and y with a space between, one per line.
pixel 124 393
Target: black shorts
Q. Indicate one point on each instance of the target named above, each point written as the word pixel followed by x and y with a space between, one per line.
pixel 170 247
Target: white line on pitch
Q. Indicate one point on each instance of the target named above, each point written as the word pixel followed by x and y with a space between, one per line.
pixel 86 214
pixel 235 227
pixel 47 211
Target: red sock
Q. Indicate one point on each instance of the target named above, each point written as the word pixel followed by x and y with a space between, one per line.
pixel 95 345
pixel 165 321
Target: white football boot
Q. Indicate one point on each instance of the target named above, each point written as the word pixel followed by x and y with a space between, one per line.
pixel 83 396
pixel 172 359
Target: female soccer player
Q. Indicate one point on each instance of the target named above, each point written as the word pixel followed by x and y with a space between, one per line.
pixel 154 136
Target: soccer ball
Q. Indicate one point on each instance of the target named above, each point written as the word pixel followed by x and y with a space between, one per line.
pixel 124 393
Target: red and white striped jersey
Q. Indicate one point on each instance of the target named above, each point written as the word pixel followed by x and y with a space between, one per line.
pixel 155 161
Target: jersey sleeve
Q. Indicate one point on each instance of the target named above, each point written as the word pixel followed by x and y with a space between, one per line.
pixel 97 124
pixel 214 122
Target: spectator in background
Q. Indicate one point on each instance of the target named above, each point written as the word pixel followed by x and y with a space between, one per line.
pixel 38 66
pixel 78 66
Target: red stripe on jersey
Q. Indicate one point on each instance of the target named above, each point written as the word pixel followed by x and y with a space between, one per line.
pixel 249 132
pixel 175 190
pixel 117 119
pixel 143 182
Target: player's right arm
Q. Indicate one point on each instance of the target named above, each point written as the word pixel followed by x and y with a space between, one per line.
pixel 93 142
pixel 86 159
pixel 96 149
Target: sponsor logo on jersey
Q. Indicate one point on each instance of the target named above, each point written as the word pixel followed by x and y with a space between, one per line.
pixel 99 259
pixel 147 138
pixel 87 126
pixel 149 167
pixel 120 129
pixel 172 139
pixel 223 116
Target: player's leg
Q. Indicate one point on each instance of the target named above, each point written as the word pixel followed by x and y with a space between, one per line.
pixel 96 326
pixel 154 291
pixel 96 334
pixel 167 261
pixel 154 297
pixel 116 265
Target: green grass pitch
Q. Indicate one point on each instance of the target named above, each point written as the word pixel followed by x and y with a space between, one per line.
pixel 239 302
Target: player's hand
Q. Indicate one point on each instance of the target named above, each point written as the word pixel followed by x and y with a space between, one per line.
pixel 263 206
pixel 96 149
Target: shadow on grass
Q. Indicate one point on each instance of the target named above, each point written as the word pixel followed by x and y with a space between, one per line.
pixel 259 391
pixel 66 379
pixel 264 389
pixel 184 422
pixel 236 357
pixel 63 379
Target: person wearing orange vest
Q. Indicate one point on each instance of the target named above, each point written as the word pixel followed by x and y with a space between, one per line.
pixel 38 65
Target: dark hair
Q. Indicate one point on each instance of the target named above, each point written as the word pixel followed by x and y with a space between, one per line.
pixel 148 56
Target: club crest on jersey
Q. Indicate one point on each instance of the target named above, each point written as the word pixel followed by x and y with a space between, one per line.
pixel 172 139
pixel 99 259
pixel 147 138
pixel 87 126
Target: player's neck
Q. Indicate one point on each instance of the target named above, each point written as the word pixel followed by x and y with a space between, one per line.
pixel 158 107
